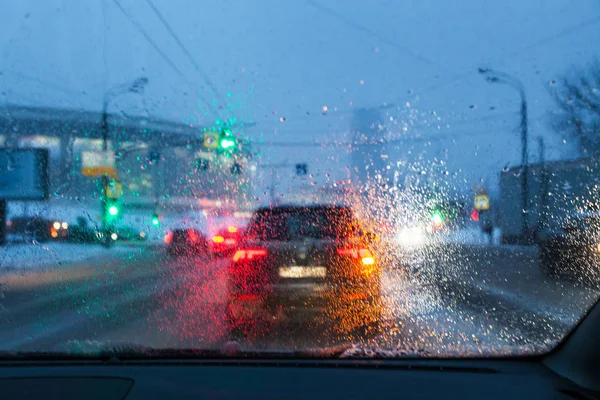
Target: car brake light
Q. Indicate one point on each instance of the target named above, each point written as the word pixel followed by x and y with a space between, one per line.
pixel 365 256
pixel 218 239
pixel 193 236
pixel 232 229
pixel 169 238
pixel 249 254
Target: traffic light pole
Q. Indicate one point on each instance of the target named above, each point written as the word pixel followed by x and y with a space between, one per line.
pixel 104 199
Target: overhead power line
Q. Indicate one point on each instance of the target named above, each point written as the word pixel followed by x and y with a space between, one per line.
pixel 156 47
pixel 188 54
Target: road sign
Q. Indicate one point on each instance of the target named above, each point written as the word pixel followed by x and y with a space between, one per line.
pixel 482 202
pixel 24 174
pixel 211 140
pixel 98 163
pixel 301 169
pixel 114 190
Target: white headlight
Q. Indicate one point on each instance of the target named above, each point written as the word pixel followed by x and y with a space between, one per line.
pixel 411 236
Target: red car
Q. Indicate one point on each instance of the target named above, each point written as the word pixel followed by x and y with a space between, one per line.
pixel 225 241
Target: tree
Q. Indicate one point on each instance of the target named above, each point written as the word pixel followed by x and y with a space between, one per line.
pixel 577 96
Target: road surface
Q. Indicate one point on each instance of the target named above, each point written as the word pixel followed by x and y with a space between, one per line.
pixel 442 300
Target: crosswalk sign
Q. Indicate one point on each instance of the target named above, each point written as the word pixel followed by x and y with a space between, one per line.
pixel 482 202
pixel 211 140
pixel 114 190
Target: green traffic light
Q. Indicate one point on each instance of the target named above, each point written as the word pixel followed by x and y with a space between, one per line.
pixel 227 143
pixel 113 210
pixel 437 218
pixel 155 221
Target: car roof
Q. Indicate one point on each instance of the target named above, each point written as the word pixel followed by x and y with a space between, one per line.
pixel 297 208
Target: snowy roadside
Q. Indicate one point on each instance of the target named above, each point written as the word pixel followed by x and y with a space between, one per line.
pixel 42 256
pixel 471 236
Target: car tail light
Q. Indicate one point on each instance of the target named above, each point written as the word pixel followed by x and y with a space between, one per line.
pixel 249 254
pixel 169 238
pixel 218 239
pixel 247 297
pixel 365 256
pixel 232 229
pixel 193 235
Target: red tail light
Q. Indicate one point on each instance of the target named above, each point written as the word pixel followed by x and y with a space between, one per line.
pixel 169 238
pixel 365 256
pixel 193 235
pixel 249 254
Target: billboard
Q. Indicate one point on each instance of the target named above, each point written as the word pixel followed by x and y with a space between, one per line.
pixel 24 174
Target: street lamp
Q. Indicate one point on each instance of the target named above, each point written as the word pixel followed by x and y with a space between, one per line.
pixel 137 86
pixel 500 77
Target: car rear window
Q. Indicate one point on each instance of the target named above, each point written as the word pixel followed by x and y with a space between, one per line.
pixel 295 224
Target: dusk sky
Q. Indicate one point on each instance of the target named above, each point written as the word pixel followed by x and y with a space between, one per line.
pixel 281 64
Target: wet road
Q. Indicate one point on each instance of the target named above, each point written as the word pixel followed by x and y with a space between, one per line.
pixel 439 301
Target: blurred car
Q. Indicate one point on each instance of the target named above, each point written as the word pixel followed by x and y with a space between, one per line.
pixel 225 241
pixel 35 227
pixel 572 249
pixel 186 242
pixel 296 262
pixel 129 234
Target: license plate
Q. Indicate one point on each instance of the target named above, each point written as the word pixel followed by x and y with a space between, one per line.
pixel 229 241
pixel 297 271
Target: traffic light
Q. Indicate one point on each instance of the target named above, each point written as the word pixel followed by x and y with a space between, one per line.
pixel 236 169
pixel 112 210
pixel 202 164
pixel 226 142
pixel 155 220
pixel 437 218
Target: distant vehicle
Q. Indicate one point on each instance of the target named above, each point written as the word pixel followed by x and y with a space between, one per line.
pixel 225 241
pixel 572 250
pixel 298 262
pixel 186 242
pixel 37 228
pixel 129 234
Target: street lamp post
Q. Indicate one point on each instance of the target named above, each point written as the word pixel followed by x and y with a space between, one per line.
pixel 137 86
pixel 499 77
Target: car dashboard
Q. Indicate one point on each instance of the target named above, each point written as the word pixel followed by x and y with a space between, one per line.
pixel 286 379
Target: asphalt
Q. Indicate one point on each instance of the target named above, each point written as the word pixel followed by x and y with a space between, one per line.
pixel 441 301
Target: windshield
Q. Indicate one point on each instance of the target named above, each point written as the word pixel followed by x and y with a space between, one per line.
pixel 392 178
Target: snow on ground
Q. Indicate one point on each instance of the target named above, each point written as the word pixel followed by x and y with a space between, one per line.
pixel 27 256
pixel 471 235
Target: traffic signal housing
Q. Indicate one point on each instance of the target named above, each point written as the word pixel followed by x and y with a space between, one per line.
pixel 112 211
pixel 227 143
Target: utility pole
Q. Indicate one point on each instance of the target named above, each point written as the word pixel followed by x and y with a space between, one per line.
pixel 543 212
pixel 500 77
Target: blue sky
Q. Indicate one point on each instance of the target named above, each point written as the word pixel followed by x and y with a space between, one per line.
pixel 272 59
